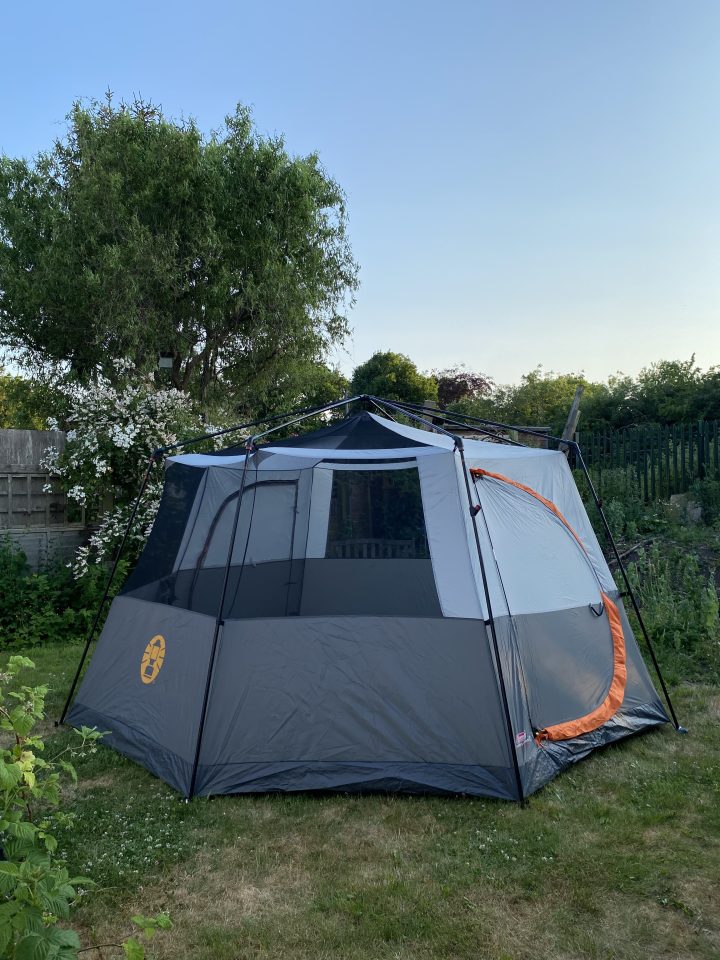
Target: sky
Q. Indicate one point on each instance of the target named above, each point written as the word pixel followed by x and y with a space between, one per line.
pixel 529 182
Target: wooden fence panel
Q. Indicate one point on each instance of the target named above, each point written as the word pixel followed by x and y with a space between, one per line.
pixel 38 520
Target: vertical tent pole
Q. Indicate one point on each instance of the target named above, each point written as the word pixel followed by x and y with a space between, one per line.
pixel 219 621
pixel 91 633
pixel 474 509
pixel 626 579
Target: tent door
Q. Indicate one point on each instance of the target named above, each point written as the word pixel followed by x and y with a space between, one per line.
pixel 264 576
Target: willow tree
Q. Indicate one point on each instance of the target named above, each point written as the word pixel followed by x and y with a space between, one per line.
pixel 135 235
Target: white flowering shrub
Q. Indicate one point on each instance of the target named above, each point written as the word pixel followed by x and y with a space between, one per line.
pixel 114 430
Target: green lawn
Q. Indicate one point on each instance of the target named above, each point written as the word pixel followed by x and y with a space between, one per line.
pixel 618 858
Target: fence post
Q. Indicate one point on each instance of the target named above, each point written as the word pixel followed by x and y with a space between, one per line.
pixel 655 478
pixel 691 451
pixel 701 450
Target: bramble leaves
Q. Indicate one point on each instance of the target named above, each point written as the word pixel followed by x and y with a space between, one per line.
pixel 36 890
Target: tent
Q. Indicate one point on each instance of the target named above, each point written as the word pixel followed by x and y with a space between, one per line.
pixel 370 606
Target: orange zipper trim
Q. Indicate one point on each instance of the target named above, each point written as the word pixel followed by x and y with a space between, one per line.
pixel 612 702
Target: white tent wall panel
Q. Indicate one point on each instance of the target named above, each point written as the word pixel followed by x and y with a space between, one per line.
pixel 453 552
pixel 543 568
pixel 548 474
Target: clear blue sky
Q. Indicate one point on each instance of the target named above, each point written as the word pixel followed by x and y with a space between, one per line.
pixel 528 181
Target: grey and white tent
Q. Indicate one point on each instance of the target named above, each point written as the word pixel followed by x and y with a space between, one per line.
pixel 365 608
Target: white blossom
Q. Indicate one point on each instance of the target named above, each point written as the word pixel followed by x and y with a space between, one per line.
pixel 113 431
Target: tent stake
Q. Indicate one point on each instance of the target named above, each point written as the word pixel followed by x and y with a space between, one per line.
pixel 491 623
pixel 631 593
pixel 91 633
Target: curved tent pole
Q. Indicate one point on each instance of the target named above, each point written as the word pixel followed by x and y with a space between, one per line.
pixel 91 633
pixel 250 448
pixel 490 622
pixel 630 592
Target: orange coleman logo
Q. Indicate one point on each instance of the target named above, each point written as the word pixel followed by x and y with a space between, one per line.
pixel 152 659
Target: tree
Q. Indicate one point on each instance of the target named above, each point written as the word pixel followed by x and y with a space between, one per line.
pixel 136 235
pixel 668 391
pixel 457 383
pixel 395 377
pixel 25 404
pixel 303 384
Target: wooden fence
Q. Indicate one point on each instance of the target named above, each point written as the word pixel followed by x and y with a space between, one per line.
pixel 40 521
pixel 666 459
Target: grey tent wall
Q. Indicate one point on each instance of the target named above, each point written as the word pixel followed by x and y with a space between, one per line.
pixel 355 704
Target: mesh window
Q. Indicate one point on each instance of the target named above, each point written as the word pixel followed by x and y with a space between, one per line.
pixel 376 515
pixel 158 557
pixel 370 556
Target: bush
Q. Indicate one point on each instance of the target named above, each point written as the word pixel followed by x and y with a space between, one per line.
pixel 37 890
pixel 680 608
pixel 707 494
pixel 46 607
pixel 37 893
pixel 627 513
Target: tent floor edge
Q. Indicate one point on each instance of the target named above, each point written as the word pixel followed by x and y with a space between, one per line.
pixel 162 763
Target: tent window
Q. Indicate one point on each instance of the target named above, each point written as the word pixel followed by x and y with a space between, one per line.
pixel 376 515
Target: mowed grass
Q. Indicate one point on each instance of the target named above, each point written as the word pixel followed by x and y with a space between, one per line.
pixel 617 858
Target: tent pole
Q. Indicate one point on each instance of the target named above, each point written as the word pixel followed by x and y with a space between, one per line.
pixel 288 417
pixel 414 416
pixel 304 415
pixel 502 426
pixel 382 411
pixel 91 633
pixel 250 450
pixel 450 417
pixel 608 533
pixel 474 509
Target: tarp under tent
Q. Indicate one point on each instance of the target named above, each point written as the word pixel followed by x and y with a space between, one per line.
pixel 367 607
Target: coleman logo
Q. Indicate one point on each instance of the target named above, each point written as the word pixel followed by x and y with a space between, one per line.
pixel 152 659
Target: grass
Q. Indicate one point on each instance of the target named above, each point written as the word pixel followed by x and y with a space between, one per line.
pixel 616 859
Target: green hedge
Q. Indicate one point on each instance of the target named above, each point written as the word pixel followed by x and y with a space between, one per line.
pixel 46 607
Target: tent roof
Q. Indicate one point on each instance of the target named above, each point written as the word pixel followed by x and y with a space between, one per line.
pixel 362 434
pixel 361 431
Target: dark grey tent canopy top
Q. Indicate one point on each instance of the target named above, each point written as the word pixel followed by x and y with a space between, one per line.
pixel 361 431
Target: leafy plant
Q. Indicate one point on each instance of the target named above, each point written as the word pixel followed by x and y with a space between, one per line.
pixel 133 948
pixel 681 610
pixel 627 514
pixel 707 493
pixel 36 888
pixel 46 607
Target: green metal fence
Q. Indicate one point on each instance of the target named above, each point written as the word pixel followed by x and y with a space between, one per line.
pixel 666 459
